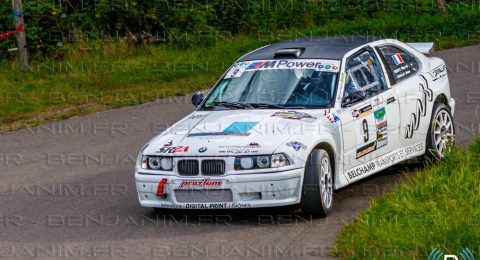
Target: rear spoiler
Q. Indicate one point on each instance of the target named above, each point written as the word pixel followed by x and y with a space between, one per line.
pixel 423 47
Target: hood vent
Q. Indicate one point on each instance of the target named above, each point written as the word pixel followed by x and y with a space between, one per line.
pixel 289 53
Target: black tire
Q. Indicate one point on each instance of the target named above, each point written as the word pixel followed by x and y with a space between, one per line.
pixel 313 202
pixel 434 151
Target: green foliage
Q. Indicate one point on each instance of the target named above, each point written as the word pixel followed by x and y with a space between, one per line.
pixel 63 36
pixel 439 207
pixel 191 23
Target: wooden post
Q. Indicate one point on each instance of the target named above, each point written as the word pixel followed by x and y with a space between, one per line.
pixel 442 7
pixel 21 42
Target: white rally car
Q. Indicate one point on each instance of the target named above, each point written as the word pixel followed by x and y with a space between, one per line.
pixel 292 122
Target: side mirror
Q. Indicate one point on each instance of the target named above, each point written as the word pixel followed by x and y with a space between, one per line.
pixel 354 97
pixel 197 98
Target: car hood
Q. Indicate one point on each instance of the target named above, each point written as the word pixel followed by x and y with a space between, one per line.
pixel 234 132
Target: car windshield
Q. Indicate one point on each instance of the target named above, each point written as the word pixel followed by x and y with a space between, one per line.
pixel 300 83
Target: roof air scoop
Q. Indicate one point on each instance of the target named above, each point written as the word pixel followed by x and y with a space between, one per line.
pixel 289 53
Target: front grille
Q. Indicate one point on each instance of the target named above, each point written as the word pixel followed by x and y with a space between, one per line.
pixel 203 196
pixel 213 167
pixel 188 167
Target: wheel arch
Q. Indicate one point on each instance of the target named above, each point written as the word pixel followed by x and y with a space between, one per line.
pixel 442 98
pixel 330 151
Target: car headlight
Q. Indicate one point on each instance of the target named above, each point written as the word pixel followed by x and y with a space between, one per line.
pixel 157 163
pixel 246 162
pixel 279 160
pixel 261 161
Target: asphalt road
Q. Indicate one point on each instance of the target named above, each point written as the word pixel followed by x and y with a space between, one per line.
pixel 67 190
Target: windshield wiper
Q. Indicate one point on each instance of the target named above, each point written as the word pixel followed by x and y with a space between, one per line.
pixel 267 105
pixel 231 105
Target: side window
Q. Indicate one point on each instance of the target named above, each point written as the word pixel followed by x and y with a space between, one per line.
pixel 365 77
pixel 400 64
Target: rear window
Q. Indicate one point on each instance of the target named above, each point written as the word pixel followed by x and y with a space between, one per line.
pixel 399 63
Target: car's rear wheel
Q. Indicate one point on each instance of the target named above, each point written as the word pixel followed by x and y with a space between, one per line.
pixel 317 190
pixel 441 132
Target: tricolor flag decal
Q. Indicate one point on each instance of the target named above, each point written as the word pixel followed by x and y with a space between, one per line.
pixel 397 58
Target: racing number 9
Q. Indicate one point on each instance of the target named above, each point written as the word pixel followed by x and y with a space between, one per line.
pixel 365 130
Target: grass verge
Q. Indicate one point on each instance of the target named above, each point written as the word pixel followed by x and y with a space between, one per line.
pixel 93 75
pixel 112 75
pixel 439 207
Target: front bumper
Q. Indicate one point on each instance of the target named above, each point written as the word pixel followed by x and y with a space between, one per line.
pixel 237 191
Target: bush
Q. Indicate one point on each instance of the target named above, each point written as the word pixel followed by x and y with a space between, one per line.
pixel 199 22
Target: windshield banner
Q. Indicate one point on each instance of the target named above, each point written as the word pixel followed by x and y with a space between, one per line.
pixel 316 64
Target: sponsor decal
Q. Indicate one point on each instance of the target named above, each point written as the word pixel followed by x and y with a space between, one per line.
pixel 361 170
pixel 377 102
pixel 381 143
pixel 169 143
pixel 259 64
pixel 223 205
pixel 357 113
pixel 202 149
pixel 293 115
pixel 397 59
pixel 315 64
pixel 421 108
pixel 297 146
pixel 382 138
pixel 239 64
pixel 343 75
pixel 362 151
pixel 200 184
pixel 239 149
pixel 381 124
pixel 403 71
pixel 332 118
pixel 379 115
pixel 174 149
pixel 438 72
pixel 327 67
pixel 240 127
pixel 385 161
pixel 381 121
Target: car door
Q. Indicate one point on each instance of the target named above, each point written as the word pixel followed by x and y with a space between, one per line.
pixel 412 90
pixel 369 112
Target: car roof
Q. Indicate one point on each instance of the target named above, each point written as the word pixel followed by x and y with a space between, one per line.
pixel 328 47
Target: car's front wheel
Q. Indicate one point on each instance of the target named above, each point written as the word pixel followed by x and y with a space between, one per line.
pixel 441 131
pixel 317 190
